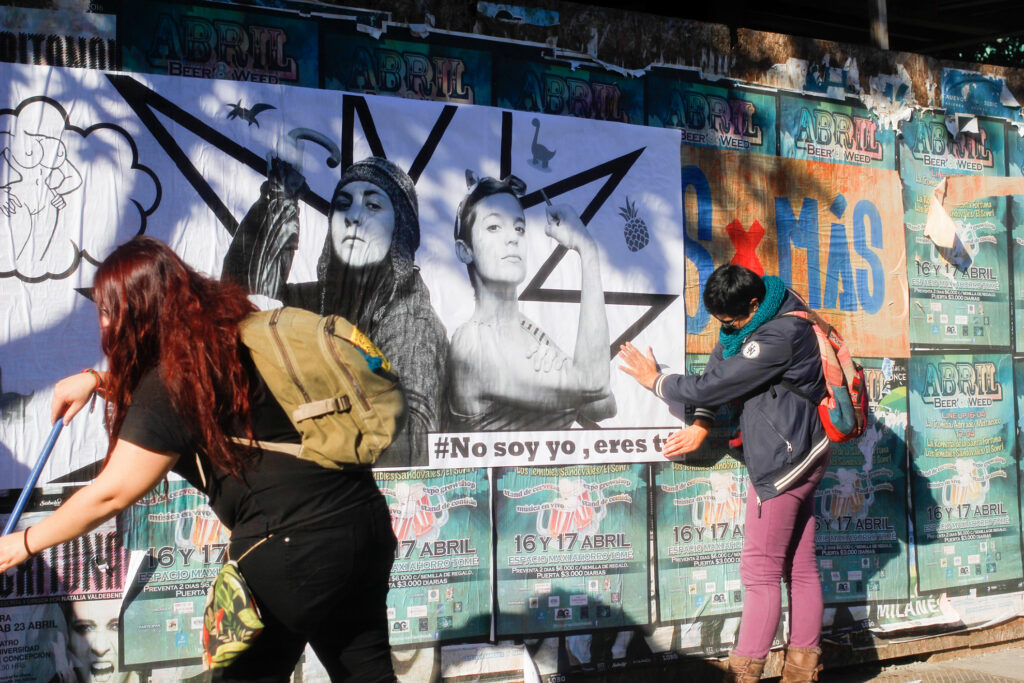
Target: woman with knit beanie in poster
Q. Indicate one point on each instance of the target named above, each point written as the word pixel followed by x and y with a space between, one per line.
pixel 366 274
pixel 765 363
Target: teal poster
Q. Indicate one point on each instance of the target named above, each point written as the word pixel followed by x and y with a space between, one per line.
pixel 210 42
pixel 964 484
pixel 810 128
pixel 441 578
pixel 860 505
pixel 184 545
pixel 699 513
pixel 699 508
pixel 417 70
pixel 552 89
pixel 1015 152
pixel 962 299
pixel 712 115
pixel 572 548
pixel 970 92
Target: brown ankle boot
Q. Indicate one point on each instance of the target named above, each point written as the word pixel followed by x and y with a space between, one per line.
pixel 801 665
pixel 744 669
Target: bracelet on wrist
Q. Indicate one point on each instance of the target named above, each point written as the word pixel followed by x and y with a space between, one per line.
pixel 99 380
pixel 24 542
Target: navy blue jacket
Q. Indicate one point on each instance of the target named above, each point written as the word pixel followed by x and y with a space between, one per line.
pixel 782 433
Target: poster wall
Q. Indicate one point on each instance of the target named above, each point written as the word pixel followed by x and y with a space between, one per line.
pixel 699 508
pixel 59 38
pixel 528 491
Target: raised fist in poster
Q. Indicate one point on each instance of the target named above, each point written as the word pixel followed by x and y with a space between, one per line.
pixel 506 373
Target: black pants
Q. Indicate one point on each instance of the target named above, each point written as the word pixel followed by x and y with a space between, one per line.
pixel 325 587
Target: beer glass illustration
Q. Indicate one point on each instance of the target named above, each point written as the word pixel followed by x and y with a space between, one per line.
pixel 414 516
pixel 198 529
pixel 578 509
pixel 852 493
pixel 970 483
pixel 722 502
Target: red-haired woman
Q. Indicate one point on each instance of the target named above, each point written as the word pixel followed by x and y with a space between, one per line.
pixel 179 385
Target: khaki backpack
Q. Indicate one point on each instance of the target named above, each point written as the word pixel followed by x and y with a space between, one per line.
pixel 335 385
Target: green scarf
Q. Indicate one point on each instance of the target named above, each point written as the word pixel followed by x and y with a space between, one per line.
pixel 774 294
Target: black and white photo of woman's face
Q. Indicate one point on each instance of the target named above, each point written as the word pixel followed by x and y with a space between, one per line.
pixel 362 224
pixel 499 239
pixel 93 630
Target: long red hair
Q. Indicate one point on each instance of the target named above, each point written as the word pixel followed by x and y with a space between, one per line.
pixel 162 314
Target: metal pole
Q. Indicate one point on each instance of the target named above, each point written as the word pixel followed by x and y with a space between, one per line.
pixel 26 492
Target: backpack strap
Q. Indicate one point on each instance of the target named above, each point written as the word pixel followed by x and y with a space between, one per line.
pixel 792 387
pixel 811 318
pixel 335 404
pixel 286 448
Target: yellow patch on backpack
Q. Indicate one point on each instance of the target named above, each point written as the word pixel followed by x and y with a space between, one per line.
pixel 369 348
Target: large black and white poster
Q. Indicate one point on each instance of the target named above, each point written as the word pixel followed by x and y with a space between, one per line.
pixel 497 258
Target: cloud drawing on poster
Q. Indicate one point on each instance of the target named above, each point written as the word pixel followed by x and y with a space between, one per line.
pixel 63 188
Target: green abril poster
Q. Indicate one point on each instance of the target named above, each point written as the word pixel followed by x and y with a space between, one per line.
pixel 810 128
pixel 211 42
pixel 183 545
pixel 861 514
pixel 441 578
pixel 959 300
pixel 712 115
pixel 572 548
pixel 421 70
pixel 964 485
pixel 566 91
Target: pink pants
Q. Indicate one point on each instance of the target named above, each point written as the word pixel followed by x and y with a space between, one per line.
pixel 779 545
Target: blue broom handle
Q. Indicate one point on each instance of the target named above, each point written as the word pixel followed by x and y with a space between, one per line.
pixel 26 492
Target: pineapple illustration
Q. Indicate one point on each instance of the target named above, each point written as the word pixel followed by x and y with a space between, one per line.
pixel 635 230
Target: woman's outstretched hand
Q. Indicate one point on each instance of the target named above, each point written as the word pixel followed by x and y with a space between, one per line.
pixel 643 368
pixel 71 394
pixel 12 550
pixel 685 441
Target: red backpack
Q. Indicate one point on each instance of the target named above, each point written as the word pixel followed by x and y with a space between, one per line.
pixel 844 408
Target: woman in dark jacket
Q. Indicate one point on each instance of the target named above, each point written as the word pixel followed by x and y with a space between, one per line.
pixel 179 387
pixel 769 364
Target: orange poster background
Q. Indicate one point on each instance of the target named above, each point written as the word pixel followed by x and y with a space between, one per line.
pixel 744 188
